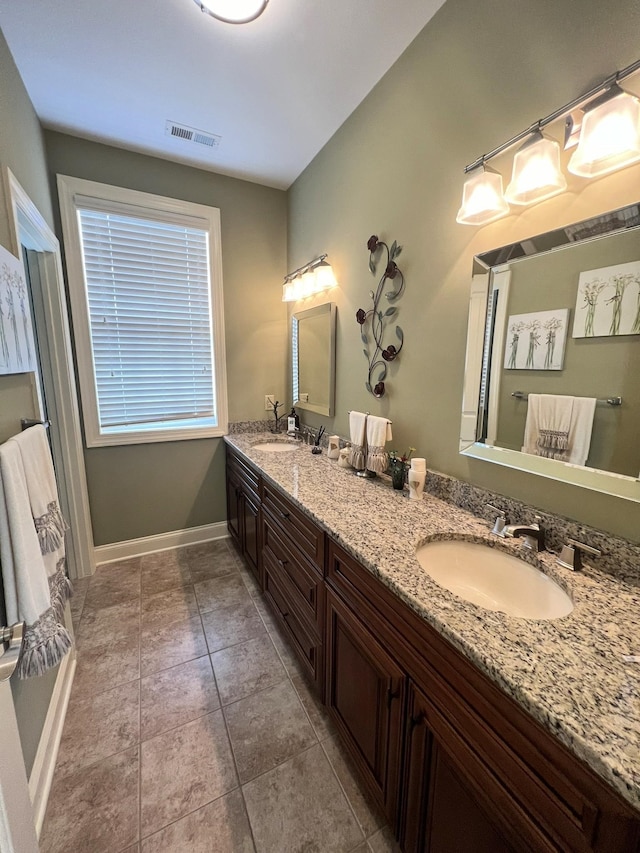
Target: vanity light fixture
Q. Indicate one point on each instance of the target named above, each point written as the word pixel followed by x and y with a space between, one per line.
pixel 609 139
pixel 536 171
pixel 308 280
pixel 609 136
pixel 482 198
pixel 233 11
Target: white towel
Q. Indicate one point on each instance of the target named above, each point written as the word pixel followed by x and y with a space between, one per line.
pixel 35 590
pixel 357 426
pixel 559 427
pixel 584 409
pixel 378 433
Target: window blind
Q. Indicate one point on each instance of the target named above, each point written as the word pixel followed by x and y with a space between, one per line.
pixel 149 306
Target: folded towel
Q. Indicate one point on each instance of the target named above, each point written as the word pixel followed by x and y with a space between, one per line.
pixel 357 425
pixel 34 591
pixel 378 433
pixel 559 427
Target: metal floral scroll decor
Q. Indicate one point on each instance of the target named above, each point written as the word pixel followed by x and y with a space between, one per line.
pixel 373 322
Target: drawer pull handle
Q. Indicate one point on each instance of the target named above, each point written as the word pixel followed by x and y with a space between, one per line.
pixel 283 563
pixel 392 694
pixel 417 720
pixel 285 514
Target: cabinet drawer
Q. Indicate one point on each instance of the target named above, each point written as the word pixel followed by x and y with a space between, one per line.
pixel 307 586
pixel 246 473
pixel 302 532
pixel 304 640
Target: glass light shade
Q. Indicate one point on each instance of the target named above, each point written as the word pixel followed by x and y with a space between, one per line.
pixel 233 11
pixel 536 172
pixel 609 137
pixel 288 292
pixel 325 279
pixel 482 199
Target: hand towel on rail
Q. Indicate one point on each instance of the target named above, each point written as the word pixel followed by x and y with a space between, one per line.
pixel 357 427
pixel 378 433
pixel 27 586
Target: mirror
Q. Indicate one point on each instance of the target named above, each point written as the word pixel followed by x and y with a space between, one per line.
pixel 559 314
pixel 313 347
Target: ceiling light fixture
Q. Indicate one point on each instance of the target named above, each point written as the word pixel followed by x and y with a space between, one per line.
pixel 308 280
pixel 233 11
pixel 609 139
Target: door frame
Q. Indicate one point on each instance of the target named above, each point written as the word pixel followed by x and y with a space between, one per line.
pixel 25 220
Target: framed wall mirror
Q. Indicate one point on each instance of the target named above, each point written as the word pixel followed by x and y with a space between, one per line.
pixel 559 315
pixel 313 351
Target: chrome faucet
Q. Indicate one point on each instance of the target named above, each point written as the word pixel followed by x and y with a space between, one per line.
pixel 532 535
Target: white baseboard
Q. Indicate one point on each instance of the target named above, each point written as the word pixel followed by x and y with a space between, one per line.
pixel 45 760
pixel 160 542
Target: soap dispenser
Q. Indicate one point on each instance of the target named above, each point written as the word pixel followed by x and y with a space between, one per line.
pixel 293 422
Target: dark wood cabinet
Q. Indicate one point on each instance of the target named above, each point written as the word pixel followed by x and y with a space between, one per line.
pixel 365 695
pixel 243 511
pixel 455 763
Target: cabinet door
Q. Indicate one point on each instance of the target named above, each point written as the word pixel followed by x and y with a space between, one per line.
pixel 251 536
pixel 234 509
pixel 440 812
pixel 364 695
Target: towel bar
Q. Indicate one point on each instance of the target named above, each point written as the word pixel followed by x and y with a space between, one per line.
pixel 608 401
pixel 25 423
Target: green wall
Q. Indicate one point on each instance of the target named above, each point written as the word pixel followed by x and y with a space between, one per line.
pixel 477 74
pixel 141 490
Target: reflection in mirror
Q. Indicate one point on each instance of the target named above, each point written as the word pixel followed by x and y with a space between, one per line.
pixel 313 345
pixel 559 315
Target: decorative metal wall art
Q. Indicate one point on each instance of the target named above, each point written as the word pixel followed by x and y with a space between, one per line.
pixel 372 322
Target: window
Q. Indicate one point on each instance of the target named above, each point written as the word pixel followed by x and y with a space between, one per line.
pixel 145 279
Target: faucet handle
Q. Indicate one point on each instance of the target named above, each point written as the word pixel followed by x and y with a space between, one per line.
pixel 500 522
pixel 571 555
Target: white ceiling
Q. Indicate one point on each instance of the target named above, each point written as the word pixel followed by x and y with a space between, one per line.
pixel 275 89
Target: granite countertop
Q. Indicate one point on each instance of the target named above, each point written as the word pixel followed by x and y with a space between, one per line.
pixel 568 673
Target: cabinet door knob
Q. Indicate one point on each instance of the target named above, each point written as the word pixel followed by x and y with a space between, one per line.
pixel 283 563
pixel 417 720
pixel 392 694
pixel 285 514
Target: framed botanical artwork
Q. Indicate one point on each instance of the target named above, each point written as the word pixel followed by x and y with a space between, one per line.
pixel 536 341
pixel 17 348
pixel 608 302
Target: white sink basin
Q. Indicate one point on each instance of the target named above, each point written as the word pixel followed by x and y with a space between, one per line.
pixel 276 446
pixel 493 579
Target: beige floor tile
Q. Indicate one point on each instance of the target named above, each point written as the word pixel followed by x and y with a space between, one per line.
pixel 246 668
pixel 288 657
pixel 267 728
pixel 99 726
pixel 163 571
pixel 114 583
pixel 171 644
pixel 365 809
pixel 211 562
pixel 266 615
pixel 384 842
pixel 185 769
pixel 77 600
pixel 221 826
pixel 108 625
pixel 226 591
pixel 250 581
pixel 101 667
pixel 176 696
pixel 316 711
pixel 94 810
pixel 163 608
pixel 228 626
pixel 300 806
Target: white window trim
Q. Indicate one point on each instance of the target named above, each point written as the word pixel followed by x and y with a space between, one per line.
pixel 69 190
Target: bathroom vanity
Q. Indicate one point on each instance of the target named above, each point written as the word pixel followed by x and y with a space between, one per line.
pixel 471 729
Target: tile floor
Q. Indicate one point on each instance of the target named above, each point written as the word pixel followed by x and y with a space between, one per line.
pixel 190 728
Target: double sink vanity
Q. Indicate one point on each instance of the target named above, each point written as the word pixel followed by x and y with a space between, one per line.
pixel 474 730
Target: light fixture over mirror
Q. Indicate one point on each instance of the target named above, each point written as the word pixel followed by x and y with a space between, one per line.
pixel 536 171
pixel 233 11
pixel 609 140
pixel 609 136
pixel 308 280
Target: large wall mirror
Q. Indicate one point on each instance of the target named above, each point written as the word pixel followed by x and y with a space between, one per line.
pixel 559 315
pixel 313 348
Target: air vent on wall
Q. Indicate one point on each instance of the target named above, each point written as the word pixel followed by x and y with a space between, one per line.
pixel 190 134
